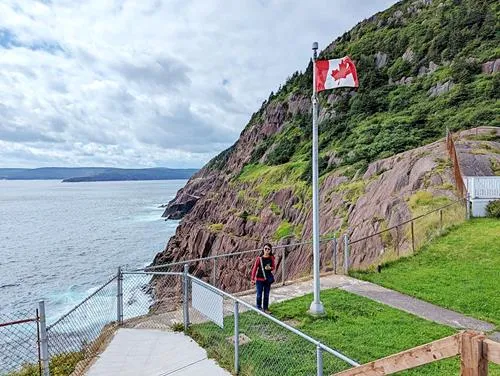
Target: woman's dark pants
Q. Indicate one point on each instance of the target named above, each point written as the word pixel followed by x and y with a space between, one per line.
pixel 263 287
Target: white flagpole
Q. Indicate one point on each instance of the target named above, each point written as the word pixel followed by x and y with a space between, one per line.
pixel 316 306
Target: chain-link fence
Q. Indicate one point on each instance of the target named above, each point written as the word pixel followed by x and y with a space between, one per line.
pixel 78 336
pixel 19 344
pixel 152 300
pixel 406 238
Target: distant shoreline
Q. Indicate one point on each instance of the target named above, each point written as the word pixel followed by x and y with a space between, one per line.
pixel 95 174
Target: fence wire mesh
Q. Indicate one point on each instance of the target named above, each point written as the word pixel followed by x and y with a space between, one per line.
pixel 78 336
pixel 19 355
pixel 152 301
pixel 269 349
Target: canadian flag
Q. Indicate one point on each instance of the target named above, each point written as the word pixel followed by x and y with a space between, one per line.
pixel 331 74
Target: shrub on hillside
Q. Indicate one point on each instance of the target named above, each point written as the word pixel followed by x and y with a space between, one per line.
pixel 493 209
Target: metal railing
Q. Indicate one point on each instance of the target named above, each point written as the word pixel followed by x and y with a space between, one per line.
pixel 257 341
pixel 20 343
pixel 237 335
pixel 405 238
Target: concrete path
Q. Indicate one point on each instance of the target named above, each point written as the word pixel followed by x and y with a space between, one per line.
pixel 382 295
pixel 146 352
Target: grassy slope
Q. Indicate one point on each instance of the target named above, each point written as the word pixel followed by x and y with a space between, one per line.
pixel 460 271
pixel 358 327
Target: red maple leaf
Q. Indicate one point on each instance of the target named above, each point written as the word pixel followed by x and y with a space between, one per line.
pixel 343 71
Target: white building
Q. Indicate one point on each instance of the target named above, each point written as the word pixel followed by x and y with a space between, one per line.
pixel 482 190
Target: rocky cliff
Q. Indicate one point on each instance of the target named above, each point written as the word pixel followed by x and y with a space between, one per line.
pixel 380 146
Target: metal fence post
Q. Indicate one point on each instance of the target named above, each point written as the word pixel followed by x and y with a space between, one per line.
pixel 467 206
pixel 185 299
pixel 214 272
pixel 44 341
pixel 283 268
pixel 119 297
pixel 319 361
pixel 412 238
pixel 236 338
pixel 346 253
pixel 396 243
pixel 334 255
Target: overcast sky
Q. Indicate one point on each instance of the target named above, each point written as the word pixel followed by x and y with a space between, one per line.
pixel 146 83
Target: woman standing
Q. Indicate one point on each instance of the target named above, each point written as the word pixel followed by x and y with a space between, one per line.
pixel 262 275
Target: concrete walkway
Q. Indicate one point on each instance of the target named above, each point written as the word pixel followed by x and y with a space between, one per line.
pixel 147 352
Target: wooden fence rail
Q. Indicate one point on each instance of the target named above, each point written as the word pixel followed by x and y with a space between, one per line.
pixel 474 349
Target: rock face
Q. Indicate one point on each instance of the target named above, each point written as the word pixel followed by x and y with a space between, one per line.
pixel 491 67
pixel 380 59
pixel 441 88
pixel 360 207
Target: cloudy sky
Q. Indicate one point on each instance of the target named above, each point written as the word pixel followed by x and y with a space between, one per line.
pixel 145 83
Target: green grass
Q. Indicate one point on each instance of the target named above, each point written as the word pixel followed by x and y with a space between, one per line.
pixel 270 179
pixel 60 365
pixel 459 271
pixel 215 227
pixel 358 327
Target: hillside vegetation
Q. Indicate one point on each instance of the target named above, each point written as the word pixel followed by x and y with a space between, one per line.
pixel 420 72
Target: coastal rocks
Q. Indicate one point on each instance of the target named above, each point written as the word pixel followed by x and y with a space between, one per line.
pixel 440 88
pixel 177 211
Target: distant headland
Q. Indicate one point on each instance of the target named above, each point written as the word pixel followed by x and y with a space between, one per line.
pixel 87 174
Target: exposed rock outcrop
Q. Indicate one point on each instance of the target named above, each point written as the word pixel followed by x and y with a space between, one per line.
pixel 380 60
pixel 441 88
pixel 360 207
pixel 491 67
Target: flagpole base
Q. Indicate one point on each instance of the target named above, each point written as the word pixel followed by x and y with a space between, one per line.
pixel 316 309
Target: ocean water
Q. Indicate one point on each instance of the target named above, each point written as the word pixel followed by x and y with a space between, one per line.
pixel 61 241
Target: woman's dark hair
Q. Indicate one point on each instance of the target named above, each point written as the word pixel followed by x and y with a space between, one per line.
pixel 270 247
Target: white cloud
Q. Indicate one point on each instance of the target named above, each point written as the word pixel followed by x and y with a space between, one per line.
pixel 148 83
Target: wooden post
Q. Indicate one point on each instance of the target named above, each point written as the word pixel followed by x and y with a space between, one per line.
pixel 491 349
pixel 472 360
pixel 441 219
pixel 430 352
